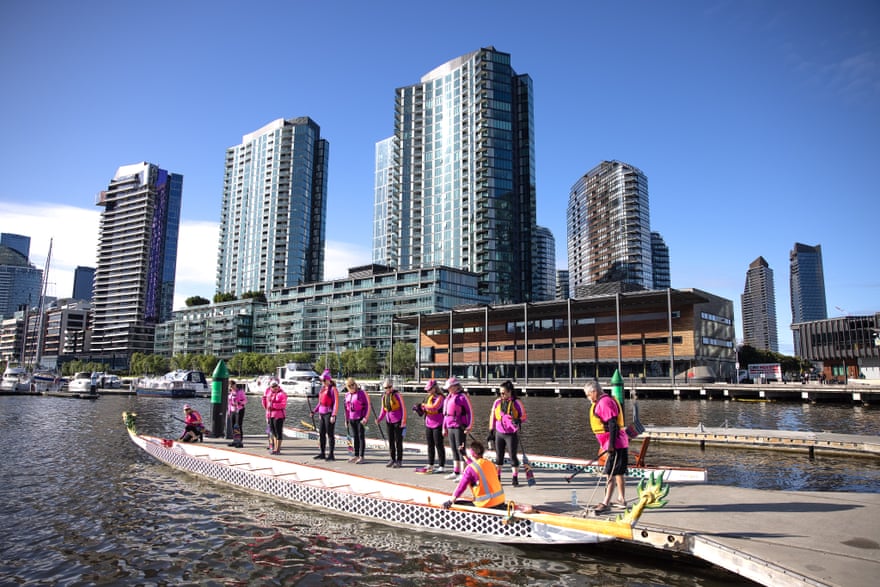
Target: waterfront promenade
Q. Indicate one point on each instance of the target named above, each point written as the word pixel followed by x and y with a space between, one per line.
pixel 770 537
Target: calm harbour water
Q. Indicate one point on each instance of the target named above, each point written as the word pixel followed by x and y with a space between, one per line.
pixel 83 506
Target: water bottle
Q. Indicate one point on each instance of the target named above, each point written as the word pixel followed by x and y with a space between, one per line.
pixel 574 498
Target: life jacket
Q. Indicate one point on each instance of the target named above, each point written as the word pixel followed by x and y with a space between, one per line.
pixel 325 397
pixel 356 404
pixel 488 492
pixel 391 401
pixel 456 412
pixel 596 424
pixel 506 411
pixel 433 404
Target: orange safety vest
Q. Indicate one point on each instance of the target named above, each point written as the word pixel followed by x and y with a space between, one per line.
pixel 488 492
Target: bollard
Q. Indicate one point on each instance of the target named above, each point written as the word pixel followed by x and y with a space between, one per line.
pixel 617 387
pixel 219 398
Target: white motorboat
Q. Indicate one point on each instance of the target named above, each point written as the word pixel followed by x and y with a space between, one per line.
pixel 181 383
pixel 296 379
pixel 15 380
pixel 83 382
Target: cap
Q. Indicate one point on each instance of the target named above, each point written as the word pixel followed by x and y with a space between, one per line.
pixel 430 385
pixel 186 407
pixel 326 376
pixel 450 382
pixel 387 382
pixel 273 382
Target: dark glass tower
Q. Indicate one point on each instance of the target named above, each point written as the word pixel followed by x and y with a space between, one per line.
pixel 807 284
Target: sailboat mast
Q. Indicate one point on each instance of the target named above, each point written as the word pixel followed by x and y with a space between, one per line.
pixel 38 356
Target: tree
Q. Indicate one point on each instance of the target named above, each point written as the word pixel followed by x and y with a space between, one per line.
pixel 196 301
pixel 257 295
pixel 404 359
pixel 219 298
pixel 368 361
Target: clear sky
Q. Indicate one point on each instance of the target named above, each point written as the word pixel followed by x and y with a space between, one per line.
pixel 756 122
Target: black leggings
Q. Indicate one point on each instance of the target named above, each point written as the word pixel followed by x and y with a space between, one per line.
pixel 434 437
pixel 456 439
pixel 276 427
pixel 328 433
pixel 506 441
pixel 359 435
pixel 395 440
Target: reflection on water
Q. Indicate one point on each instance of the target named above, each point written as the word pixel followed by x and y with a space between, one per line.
pixel 83 505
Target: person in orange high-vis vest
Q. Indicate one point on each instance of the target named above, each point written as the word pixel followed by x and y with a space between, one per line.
pixel 481 476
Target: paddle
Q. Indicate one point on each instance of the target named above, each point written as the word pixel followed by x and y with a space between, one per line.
pixel 311 413
pixel 580 470
pixel 378 425
pixel 530 475
pixel 636 428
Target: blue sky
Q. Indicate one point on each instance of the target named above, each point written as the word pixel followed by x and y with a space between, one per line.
pixel 756 122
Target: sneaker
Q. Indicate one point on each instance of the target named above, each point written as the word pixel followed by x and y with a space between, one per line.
pixel 396 464
pixel 353 460
pixel 331 458
pixel 452 476
pixel 515 481
pixel 319 457
pixel 390 464
pixel 438 470
pixel 359 461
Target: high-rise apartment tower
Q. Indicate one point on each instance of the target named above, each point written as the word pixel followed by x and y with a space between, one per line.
pixel 273 216
pixel 807 286
pixel 609 228
pixel 137 258
pixel 759 307
pixel 455 185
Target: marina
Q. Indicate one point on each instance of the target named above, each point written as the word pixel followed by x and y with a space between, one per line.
pixel 768 537
pixel 157 524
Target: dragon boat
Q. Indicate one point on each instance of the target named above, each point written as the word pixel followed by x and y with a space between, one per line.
pixel 572 466
pixel 395 502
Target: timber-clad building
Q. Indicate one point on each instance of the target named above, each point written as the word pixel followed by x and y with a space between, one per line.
pixel 646 334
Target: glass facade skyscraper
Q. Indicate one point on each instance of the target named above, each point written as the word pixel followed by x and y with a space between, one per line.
pixel 609 228
pixel 660 262
pixel 544 255
pixel 456 183
pixel 83 282
pixel 807 286
pixel 759 307
pixel 137 258
pixel 272 224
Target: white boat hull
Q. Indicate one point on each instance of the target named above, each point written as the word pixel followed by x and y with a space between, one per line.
pixel 374 499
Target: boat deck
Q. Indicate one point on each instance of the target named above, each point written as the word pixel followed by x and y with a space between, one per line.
pixel 771 537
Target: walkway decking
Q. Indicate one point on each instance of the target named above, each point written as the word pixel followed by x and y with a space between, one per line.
pixel 771 537
pixel 809 442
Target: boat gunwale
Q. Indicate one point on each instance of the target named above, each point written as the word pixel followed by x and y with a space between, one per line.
pixel 487 524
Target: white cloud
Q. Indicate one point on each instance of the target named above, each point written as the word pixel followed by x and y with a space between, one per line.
pixel 339 257
pixel 74 234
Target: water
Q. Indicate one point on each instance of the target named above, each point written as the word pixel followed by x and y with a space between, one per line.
pixel 83 506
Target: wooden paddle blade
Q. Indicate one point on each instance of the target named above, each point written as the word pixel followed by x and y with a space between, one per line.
pixel 530 475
